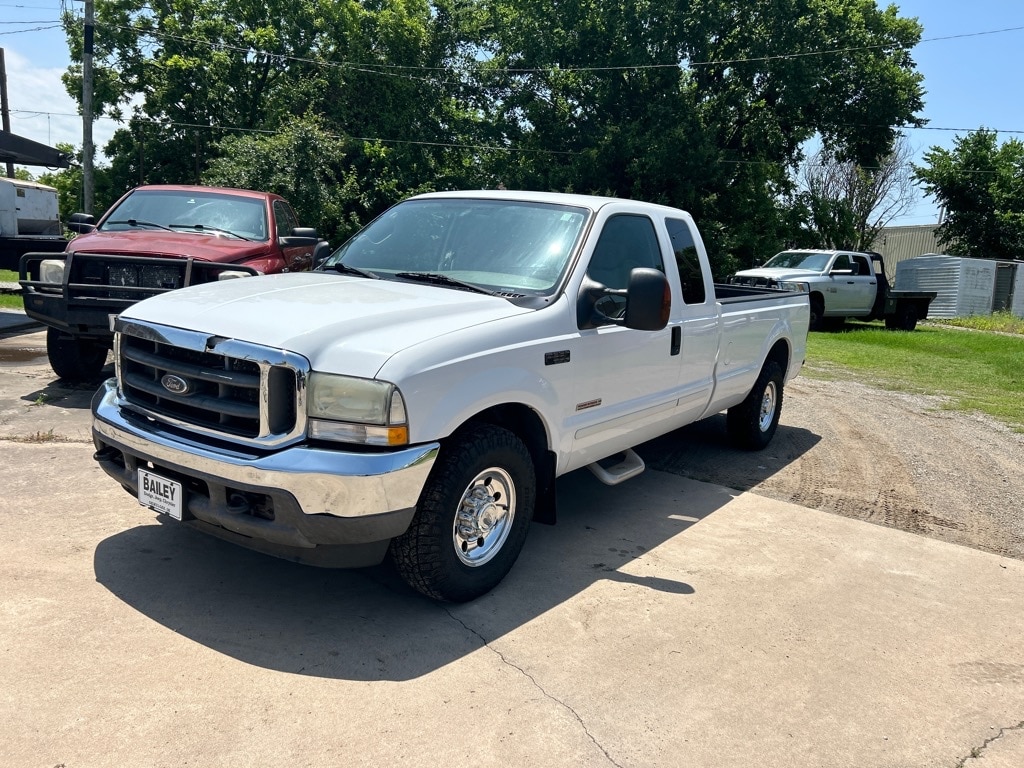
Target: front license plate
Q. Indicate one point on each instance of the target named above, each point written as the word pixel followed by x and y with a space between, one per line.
pixel 160 494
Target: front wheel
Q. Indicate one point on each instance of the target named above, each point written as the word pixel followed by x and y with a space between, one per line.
pixel 752 424
pixel 472 516
pixel 817 317
pixel 73 359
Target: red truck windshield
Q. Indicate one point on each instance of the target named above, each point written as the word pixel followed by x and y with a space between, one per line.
pixel 214 212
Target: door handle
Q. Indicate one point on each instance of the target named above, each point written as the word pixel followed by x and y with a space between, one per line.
pixel 677 339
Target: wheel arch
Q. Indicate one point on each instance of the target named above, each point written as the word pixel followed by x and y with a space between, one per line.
pixel 526 424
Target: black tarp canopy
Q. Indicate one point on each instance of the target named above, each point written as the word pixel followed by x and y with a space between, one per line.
pixel 18 149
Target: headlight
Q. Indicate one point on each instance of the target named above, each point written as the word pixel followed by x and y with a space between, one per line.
pixel 51 271
pixel 351 410
pixel 231 274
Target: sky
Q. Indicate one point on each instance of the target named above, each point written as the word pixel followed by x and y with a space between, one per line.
pixel 971 55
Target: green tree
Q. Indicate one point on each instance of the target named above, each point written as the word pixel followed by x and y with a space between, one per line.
pixel 302 163
pixel 980 186
pixel 706 105
pixel 189 74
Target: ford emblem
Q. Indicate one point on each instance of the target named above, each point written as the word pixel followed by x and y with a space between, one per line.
pixel 176 385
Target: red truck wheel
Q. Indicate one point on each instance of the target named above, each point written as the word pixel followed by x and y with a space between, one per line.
pixel 73 359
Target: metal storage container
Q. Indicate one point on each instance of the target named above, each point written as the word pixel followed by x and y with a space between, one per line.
pixel 963 286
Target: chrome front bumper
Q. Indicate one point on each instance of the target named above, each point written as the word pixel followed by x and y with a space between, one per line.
pixel 320 496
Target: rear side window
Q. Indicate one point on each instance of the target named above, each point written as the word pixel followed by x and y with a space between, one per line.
pixel 688 262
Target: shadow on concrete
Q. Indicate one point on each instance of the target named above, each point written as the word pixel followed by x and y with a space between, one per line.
pixel 66 395
pixel 367 624
pixel 702 451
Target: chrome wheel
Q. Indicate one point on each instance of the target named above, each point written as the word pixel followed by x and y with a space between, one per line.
pixel 767 415
pixel 485 516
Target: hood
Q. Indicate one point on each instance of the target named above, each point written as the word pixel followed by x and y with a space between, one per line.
pixel 159 242
pixel 340 324
pixel 778 273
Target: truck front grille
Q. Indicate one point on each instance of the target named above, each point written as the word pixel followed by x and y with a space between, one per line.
pixel 229 389
pixel 754 282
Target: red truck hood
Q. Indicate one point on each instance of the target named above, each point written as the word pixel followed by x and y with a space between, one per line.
pixel 205 246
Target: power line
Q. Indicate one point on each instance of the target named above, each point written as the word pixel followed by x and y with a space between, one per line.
pixel 33 29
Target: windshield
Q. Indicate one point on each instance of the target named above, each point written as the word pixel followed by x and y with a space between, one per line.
pixel 502 246
pixel 799 260
pixel 190 211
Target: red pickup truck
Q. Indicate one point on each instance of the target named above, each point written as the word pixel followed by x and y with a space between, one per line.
pixel 153 240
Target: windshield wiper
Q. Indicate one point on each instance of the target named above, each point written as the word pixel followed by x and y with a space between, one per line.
pixel 345 269
pixel 208 228
pixel 137 223
pixel 435 278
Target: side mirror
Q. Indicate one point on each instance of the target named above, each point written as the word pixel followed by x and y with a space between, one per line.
pixel 321 253
pixel 648 300
pixel 645 304
pixel 82 223
pixel 299 237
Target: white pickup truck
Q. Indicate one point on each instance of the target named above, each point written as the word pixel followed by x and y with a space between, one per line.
pixel 842 284
pixel 419 394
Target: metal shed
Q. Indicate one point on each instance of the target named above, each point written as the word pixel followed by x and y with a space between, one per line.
pixel 964 286
pixel 1017 298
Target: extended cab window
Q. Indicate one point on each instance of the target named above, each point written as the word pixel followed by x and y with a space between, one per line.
pixel 688 262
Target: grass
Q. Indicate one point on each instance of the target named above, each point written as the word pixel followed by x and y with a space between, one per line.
pixel 10 300
pixel 999 322
pixel 982 372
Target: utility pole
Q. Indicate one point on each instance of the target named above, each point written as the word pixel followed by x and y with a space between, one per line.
pixel 4 107
pixel 87 148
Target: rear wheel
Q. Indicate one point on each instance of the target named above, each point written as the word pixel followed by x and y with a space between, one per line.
pixel 472 516
pixel 752 424
pixel 905 318
pixel 74 359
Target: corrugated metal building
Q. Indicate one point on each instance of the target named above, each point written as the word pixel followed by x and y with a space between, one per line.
pixel 897 244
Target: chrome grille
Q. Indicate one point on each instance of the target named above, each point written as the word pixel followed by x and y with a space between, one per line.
pixel 222 387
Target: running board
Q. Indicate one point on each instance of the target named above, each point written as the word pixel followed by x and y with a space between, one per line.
pixel 628 465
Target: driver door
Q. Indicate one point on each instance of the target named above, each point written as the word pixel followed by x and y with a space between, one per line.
pixel 297 258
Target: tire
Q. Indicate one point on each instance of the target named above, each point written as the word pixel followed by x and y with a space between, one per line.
pixel 817 313
pixel 752 424
pixel 73 359
pixel 472 516
pixel 905 318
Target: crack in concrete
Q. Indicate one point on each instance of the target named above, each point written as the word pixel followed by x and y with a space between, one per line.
pixel 536 685
pixel 976 752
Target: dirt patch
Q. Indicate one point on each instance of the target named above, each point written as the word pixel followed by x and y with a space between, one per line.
pixel 897 460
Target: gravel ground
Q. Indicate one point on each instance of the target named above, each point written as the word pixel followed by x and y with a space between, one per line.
pixel 897 460
pixel 889 458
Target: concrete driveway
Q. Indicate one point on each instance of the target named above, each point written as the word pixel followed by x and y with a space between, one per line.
pixel 664 622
